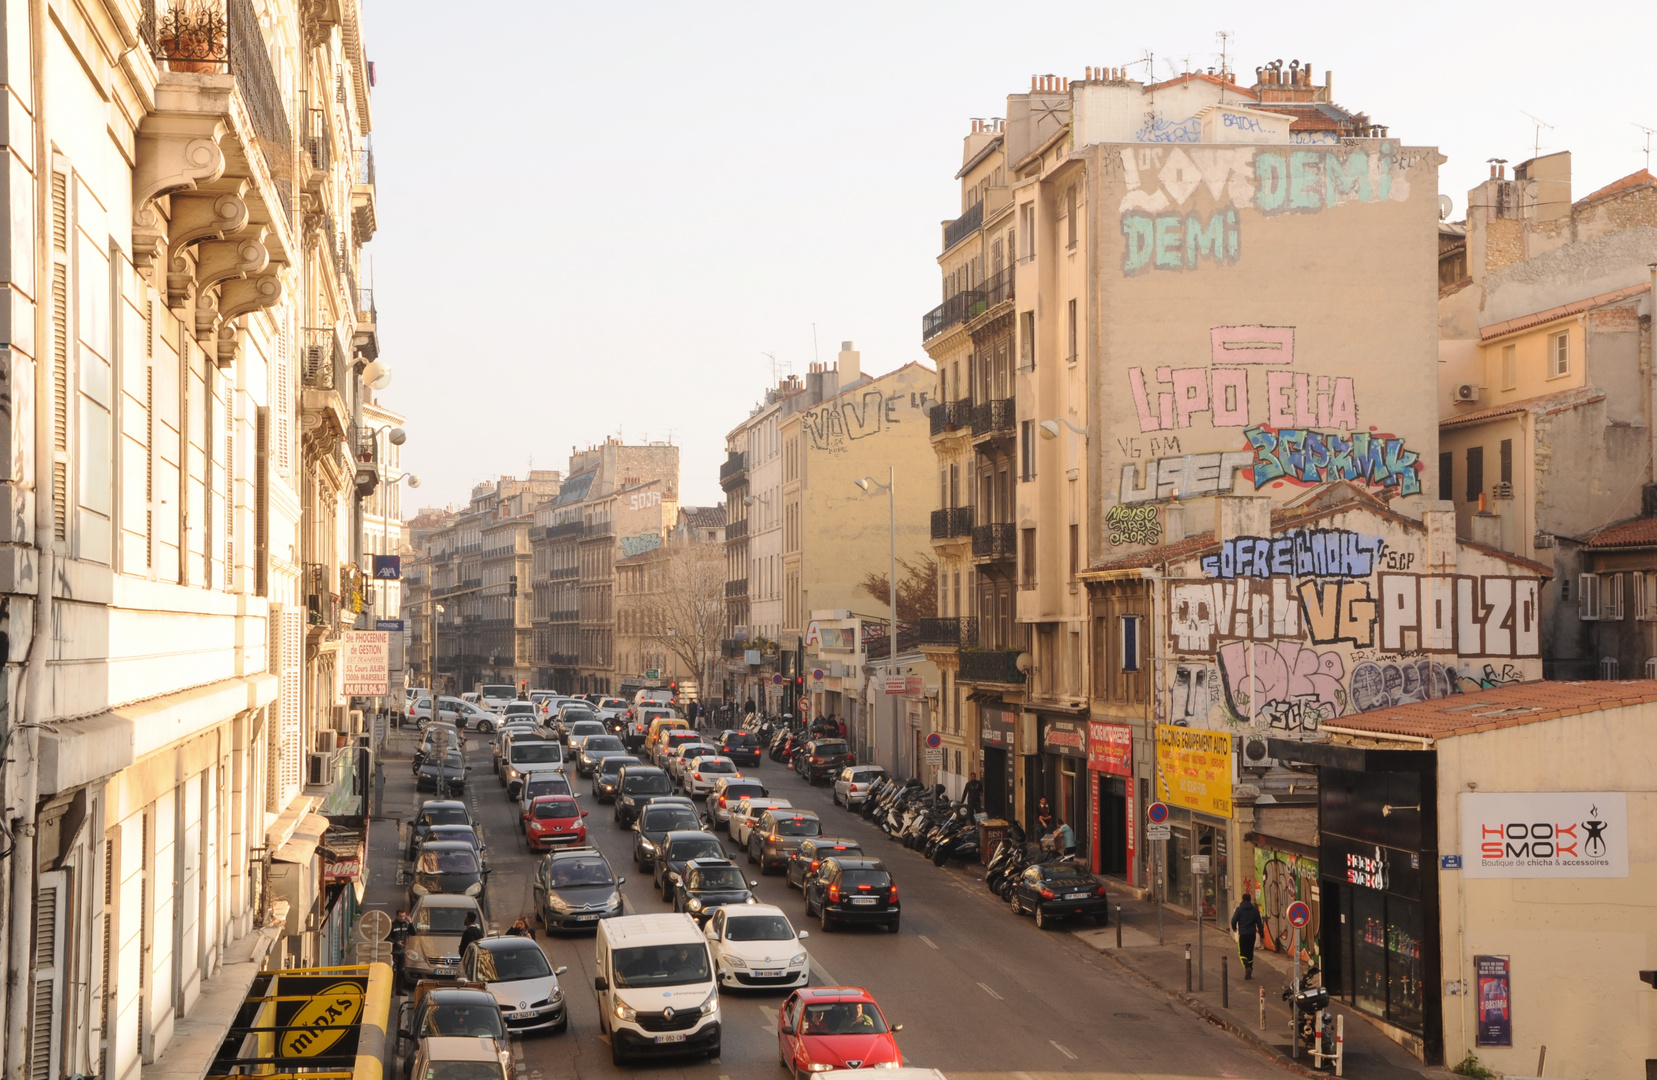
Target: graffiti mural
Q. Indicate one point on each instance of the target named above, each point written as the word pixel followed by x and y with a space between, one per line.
pixel 1157 130
pixel 1306 457
pixel 1133 525
pixel 1280 879
pixel 1173 241
pixel 1339 553
pixel 1193 693
pixel 1188 476
pixel 834 426
pixel 1283 684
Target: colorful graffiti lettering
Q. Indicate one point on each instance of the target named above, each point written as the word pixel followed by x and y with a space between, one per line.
pixel 1339 553
pixel 1290 686
pixel 1307 181
pixel 1189 476
pixel 1307 457
pixel 1280 879
pixel 1133 524
pixel 1179 241
pixel 1338 611
pixel 1294 399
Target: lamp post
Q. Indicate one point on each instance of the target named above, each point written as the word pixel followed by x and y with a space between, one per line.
pixel 869 484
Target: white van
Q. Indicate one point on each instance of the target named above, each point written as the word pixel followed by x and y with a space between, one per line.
pixel 657 993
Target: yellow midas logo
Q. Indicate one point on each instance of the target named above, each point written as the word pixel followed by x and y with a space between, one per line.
pixel 322 1021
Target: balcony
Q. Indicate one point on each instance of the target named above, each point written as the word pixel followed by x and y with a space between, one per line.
pixel 996 289
pixel 562 659
pixel 363 220
pixel 990 666
pixel 968 304
pixel 952 312
pixel 324 380
pixel 732 648
pixel 955 633
pixel 738 587
pixel 563 573
pixel 734 471
pixel 365 335
pixel 998 540
pixel 964 226
pixel 951 522
pixel 736 530
pixel 566 616
pixel 992 418
pixel 951 416
pixel 598 530
pixel 564 530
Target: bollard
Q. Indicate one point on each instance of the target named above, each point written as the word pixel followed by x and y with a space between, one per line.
pixel 1118 926
pixel 1317 1040
pixel 1225 983
pixel 1188 969
pixel 1340 1042
pixel 1262 1008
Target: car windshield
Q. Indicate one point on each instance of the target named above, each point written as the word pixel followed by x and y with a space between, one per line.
pixel 867 776
pixel 462 1070
pixel 509 963
pixel 453 761
pixel 700 847
pixel 716 766
pixel 587 727
pixel 458 861
pixel 740 739
pixel 654 784
pixel 758 928
pixel 550 785
pixel 799 826
pixel 668 818
pixel 498 690
pixel 441 920
pixel 842 1018
pixel 535 753
pixel 565 872
pixel 612 703
pixel 661 965
pixel 611 766
pixel 830 748
pixel 717 877
pixel 516 707
pixel 479 1021
pixel 460 833
pixel 446 815
pixel 733 792
pixel 571 716
pixel 556 808
pixel 874 879
pixel 601 742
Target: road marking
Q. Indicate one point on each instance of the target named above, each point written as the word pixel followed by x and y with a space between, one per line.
pixel 987 989
pixel 769 1015
pixel 1062 1050
pixel 929 941
pixel 822 972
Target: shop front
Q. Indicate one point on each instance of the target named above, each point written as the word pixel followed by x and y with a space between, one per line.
pixel 1193 776
pixel 1110 791
pixel 1065 776
pixel 996 732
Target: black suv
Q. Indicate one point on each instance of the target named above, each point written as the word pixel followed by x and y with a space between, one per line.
pixel 707 884
pixel 636 785
pixel 607 776
pixel 852 891
pixel 822 759
pixel 742 747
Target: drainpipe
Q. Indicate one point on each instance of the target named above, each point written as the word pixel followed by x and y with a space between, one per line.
pixel 25 787
pixel 1651 371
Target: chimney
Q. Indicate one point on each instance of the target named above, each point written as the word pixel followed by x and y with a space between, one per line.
pixel 1242 515
pixel 1173 522
pixel 850 363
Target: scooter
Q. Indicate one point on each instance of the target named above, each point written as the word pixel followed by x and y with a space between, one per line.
pixel 1314 1024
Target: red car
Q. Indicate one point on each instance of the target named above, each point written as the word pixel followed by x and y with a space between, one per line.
pixel 555 821
pixel 834 1027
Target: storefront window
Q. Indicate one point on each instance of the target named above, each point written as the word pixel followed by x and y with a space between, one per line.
pixel 1369 951
pixel 1404 964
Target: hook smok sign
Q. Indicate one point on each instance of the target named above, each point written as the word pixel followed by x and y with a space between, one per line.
pixel 1544 834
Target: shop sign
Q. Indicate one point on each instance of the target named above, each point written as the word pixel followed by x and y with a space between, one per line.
pixel 365 663
pixel 1068 738
pixel 750 657
pixel 1544 834
pixel 1371 866
pixel 1110 748
pixel 1370 871
pixel 995 727
pixel 894 684
pixel 1492 976
pixel 320 1017
pixel 914 685
pixel 346 869
pixel 1193 769
pixel 836 639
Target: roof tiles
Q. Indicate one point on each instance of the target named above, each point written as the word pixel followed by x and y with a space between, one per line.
pixel 1501 707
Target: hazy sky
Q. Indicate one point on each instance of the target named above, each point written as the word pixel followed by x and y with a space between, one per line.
pixel 597 219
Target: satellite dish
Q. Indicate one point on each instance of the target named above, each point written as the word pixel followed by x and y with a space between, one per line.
pixel 1444 207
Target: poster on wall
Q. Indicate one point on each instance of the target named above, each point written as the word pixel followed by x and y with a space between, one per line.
pixel 365 660
pixel 1110 748
pixel 1494 1001
pixel 1544 834
pixel 1193 769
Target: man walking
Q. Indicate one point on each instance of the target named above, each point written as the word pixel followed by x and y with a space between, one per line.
pixel 973 794
pixel 1246 921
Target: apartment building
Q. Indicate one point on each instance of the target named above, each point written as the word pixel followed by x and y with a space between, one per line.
pixel 186 349
pixel 670 605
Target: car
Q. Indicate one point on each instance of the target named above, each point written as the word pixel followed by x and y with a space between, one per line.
pixel 432 950
pixel 574 888
pixel 741 747
pixel 412 692
pixel 536 784
pixel 446 866
pixel 636 785
pixel 726 794
pixel 755 945
pixel 847 891
pixel 468 715
pixel 748 812
pixel 435 735
pixel 611 709
pixel 555 821
pixel 835 1027
pixel 546 701
pixel 1054 891
pixel 516 971
pixel 655 987
pixel 470 697
pixel 701 775
pixel 668 758
pixel 571 713
pixel 707 884
pixel 517 709
pixel 671 738
pixel 808 857
pixel 822 759
pixel 527 756
pixel 504 738
pixel 577 732
pixel 685 756
pixel 465 834
pixel 452 1057
pixel 434 812
pixel 852 786
pixel 594 747
pixel 678 848
pixel 658 697
pixel 449 769
pixel 777 834
pixel 655 722
pixel 496 696
pixel 420 706
pixel 653 824
pixel 607 775
pixel 438 1010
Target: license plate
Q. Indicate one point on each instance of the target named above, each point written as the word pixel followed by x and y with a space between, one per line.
pixel 678 1037
pixel 1075 896
pixel 767 974
pixel 585 918
pixel 863 899
pixel 443 969
pixel 519 1015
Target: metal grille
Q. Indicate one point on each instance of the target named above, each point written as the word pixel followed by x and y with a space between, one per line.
pixel 60 400
pixel 250 62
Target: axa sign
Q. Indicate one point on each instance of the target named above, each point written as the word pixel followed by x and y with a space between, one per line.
pixel 1544 834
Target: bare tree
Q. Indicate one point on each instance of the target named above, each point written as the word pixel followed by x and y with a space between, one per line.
pixel 684 613
pixel 917 589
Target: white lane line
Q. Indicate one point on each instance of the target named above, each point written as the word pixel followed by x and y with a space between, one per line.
pixel 822 973
pixel 929 941
pixel 1062 1050
pixel 768 1015
pixel 986 988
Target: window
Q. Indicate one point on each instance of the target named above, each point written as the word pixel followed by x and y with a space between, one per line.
pixel 1611 597
pixel 1510 366
pixel 1027 216
pixel 1075 549
pixel 1587 597
pixel 1651 668
pixel 1507 461
pixel 1608 668
pixel 1645 595
pixel 1070 215
pixel 1130 642
pixel 1475 473
pixel 1446 466
pixel 1070 328
pixel 1028 551
pixel 1559 355
pixel 1027 340
pixel 1027 450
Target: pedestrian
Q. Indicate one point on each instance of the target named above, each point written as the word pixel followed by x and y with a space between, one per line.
pixel 472 932
pixel 520 928
pixel 401 928
pixel 840 722
pixel 973 793
pixel 1044 819
pixel 1064 838
pixel 1247 923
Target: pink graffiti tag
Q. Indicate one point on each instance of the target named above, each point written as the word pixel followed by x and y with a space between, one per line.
pixel 1284 673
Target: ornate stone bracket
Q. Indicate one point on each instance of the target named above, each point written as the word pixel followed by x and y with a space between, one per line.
pixel 236 257
pixel 207 215
pixel 177 150
pixel 240 297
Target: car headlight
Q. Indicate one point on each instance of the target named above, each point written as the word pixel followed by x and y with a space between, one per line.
pixel 885 1065
pixel 735 961
pixel 798 961
pixel 413 952
pixel 475 889
pixel 557 996
pixel 625 1013
pixel 711 1004
pixel 557 903
pixel 818 1066
pixel 695 905
pixel 614 900
pixel 646 845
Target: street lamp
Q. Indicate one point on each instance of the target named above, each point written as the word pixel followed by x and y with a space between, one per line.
pixel 1050 430
pixel 870 485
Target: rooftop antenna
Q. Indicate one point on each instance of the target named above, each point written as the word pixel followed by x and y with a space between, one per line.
pixel 814 357
pixel 1172 70
pixel 1224 37
pixel 1649 132
pixel 773 358
pixel 1540 124
pixel 1149 60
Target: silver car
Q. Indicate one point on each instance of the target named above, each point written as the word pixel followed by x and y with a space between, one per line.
pixel 525 985
pixel 852 786
pixel 778 835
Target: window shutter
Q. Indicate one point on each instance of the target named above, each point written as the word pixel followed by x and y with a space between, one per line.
pixel 106 989
pixel 1587 596
pixel 46 1006
pixel 261 502
pixel 1639 596
pixel 283 397
pixel 232 403
pixel 149 434
pixel 291 655
pixel 1611 600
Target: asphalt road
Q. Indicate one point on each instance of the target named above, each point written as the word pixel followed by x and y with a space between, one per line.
pixel 979 992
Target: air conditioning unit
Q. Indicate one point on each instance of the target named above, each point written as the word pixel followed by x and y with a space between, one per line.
pixel 316 770
pixel 1501 490
pixel 1254 753
pixel 1464 394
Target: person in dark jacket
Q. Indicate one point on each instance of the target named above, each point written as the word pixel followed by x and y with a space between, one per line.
pixel 973 794
pixel 472 932
pixel 1248 924
pixel 401 928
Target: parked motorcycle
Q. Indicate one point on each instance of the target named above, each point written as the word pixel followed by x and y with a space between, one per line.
pixel 1308 1003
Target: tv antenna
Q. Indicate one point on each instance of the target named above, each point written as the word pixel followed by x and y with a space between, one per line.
pixel 1224 37
pixel 1540 124
pixel 1649 132
pixel 1149 60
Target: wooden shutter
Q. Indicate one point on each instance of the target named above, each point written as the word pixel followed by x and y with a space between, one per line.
pixel 232 402
pixel 149 433
pixel 60 355
pixel 1475 473
pixel 47 964
pixel 284 399
pixel 106 987
pixel 261 501
pixel 292 654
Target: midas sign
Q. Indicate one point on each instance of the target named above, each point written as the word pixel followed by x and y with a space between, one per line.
pixel 322 1021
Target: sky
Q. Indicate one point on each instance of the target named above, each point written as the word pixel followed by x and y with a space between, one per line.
pixel 623 219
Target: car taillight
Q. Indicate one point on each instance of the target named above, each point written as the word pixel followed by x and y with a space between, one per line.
pixel 815 864
pixel 1048 894
pixel 892 897
pixel 1100 891
pixel 834 894
pixel 722 803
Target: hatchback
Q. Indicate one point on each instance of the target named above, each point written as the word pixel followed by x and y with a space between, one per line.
pixel 848 891
pixel 438 1010
pixel 725 796
pixel 446 866
pixel 699 777
pixel 741 747
pixel 637 785
pixel 678 848
pixel 1053 891
pixel 435 812
pixel 778 834
pixel 654 823
pixel 835 1027
pixel 606 776
pixel 525 985
pixel 574 889
pixel 755 945
pixel 852 786
pixel 707 884
pixel 555 821
pixel 822 759
pixel 808 858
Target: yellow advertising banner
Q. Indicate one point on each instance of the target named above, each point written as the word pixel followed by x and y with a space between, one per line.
pixel 1193 769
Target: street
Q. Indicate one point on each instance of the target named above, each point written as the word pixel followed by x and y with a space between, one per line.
pixel 979 992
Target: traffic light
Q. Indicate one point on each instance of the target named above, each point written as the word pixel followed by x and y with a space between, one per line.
pixel 512 585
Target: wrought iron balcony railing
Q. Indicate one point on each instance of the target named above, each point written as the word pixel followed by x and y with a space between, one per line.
pixel 735 466
pixel 593 530
pixel 736 530
pixel 990 666
pixel 322 365
pixel 993 417
pixel 961 633
pixel 998 540
pixel 951 521
pixel 738 587
pixel 964 226
pixel 968 304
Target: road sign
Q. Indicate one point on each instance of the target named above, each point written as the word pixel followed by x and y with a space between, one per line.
pixel 934 740
pixel 1449 862
pixel 373 926
pixel 1199 864
pixel 1159 830
pixel 817 674
pixel 1157 812
pixel 373 952
pixel 1299 914
pixel 776 680
pixel 395 626
pixel 653 673
pixel 934 757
